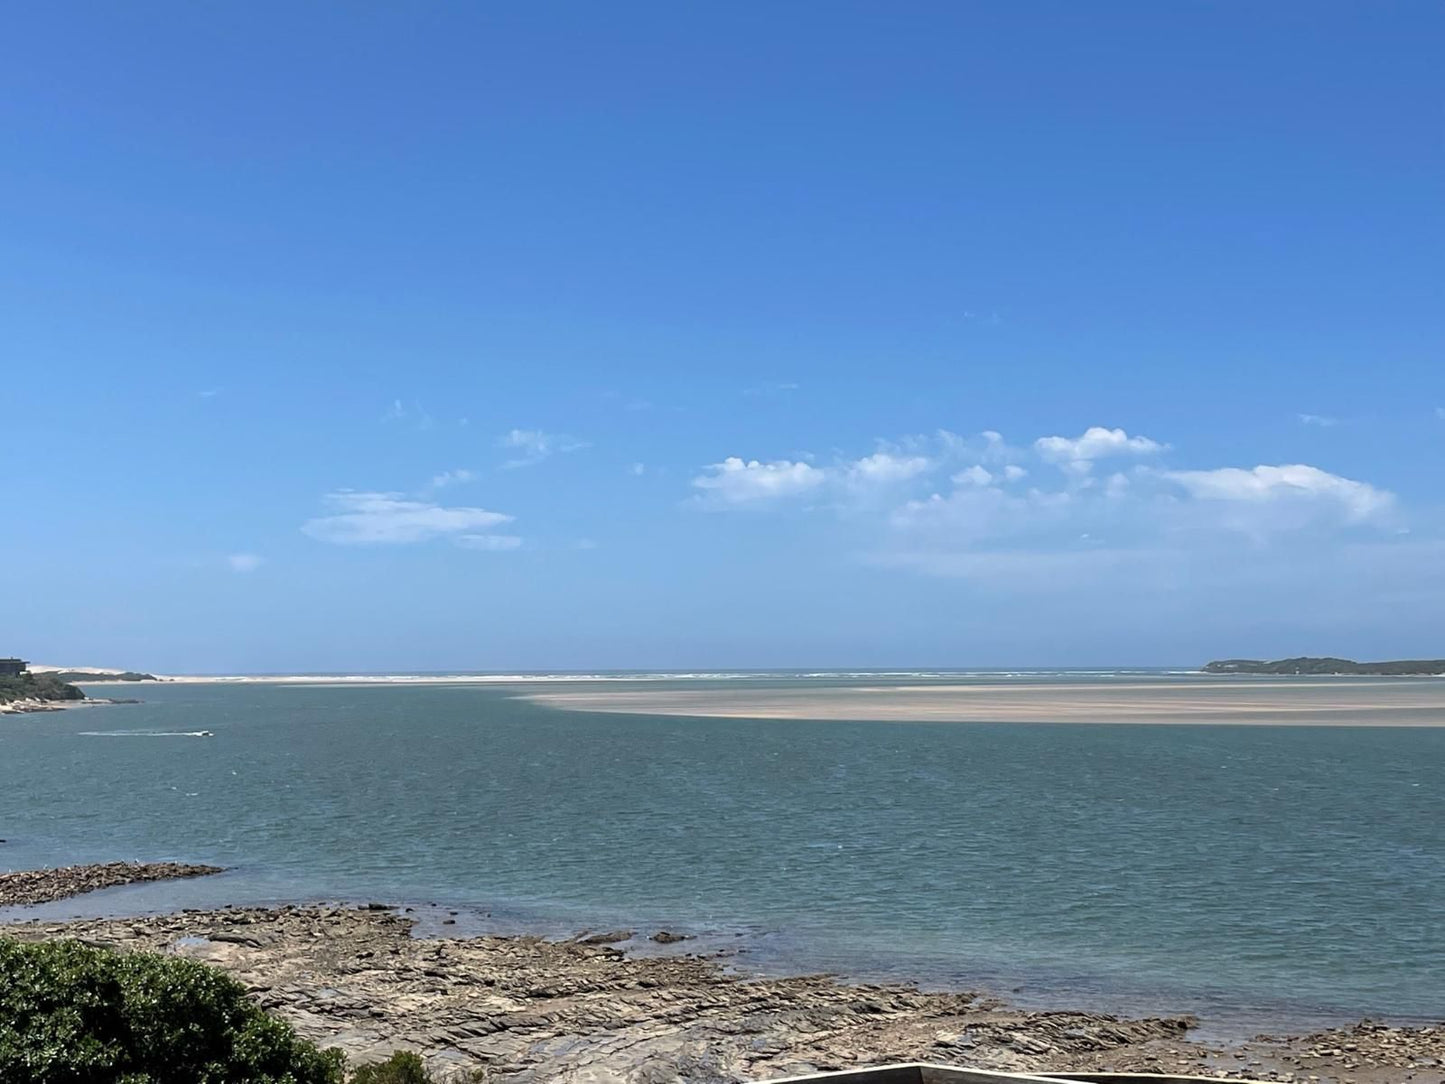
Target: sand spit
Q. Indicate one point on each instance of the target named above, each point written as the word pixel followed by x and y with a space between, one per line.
pixel 1406 702
pixel 531 1010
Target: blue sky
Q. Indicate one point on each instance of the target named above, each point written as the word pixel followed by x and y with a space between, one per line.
pixel 565 335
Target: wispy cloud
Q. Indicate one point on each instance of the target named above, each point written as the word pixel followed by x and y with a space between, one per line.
pixel 493 543
pixel 1324 421
pixel 408 414
pixel 1440 413
pixel 451 478
pixel 244 562
pixel 383 518
pixel 637 470
pixel 534 445
pixel 209 393
pixel 771 388
pixel 625 402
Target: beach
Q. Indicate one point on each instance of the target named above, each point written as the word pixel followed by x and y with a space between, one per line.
pixel 596 1007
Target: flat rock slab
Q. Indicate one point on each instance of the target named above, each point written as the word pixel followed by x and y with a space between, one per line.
pixel 530 1010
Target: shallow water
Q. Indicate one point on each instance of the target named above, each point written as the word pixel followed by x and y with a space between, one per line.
pixel 1268 875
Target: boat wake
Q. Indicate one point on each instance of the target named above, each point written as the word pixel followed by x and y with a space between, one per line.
pixel 146 734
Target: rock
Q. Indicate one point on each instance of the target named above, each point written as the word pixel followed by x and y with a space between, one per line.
pixel 610 938
pixel 666 937
pixel 529 1010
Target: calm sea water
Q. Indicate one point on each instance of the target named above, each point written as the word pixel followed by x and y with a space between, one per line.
pixel 1264 876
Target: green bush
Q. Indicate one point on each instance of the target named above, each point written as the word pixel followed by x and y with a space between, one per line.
pixel 403 1067
pixel 72 1014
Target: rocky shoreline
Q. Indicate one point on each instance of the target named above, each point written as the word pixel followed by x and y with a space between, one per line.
pixel 528 1010
pixel 28 887
pixel 30 706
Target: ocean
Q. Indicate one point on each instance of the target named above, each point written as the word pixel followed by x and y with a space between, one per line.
pixel 1263 877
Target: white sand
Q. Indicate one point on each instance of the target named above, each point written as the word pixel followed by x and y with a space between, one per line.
pixel 1307 703
pixel 1288 701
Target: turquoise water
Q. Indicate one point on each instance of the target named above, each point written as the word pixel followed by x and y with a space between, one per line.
pixel 1258 874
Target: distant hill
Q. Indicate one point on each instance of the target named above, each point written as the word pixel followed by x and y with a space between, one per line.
pixel 1310 665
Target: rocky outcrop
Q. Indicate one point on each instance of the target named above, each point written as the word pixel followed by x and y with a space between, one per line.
pixel 36 692
pixel 43 885
pixel 530 1010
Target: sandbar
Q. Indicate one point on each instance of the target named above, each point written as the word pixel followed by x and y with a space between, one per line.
pixel 1404 702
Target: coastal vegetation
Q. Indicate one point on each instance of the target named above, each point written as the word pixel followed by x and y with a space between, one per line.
pixel 403 1067
pixel 71 1013
pixel 42 688
pixel 94 676
pixel 1304 665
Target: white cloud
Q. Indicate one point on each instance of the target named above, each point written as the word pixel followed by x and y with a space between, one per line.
pixel 1096 443
pixel 989 515
pixel 210 393
pixel 637 470
pixel 452 478
pixel 1324 421
pixel 491 542
pixel 771 388
pixel 244 562
pixel 366 518
pixel 1293 483
pixel 884 468
pixel 735 481
pixel 982 529
pixel 975 475
pixel 534 445
pixel 1440 413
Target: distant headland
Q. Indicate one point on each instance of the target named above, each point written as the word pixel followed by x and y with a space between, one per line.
pixel 26 689
pixel 22 691
pixel 1321 666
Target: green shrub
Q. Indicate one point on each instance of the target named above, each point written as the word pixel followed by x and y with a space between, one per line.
pixel 403 1067
pixel 72 1014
